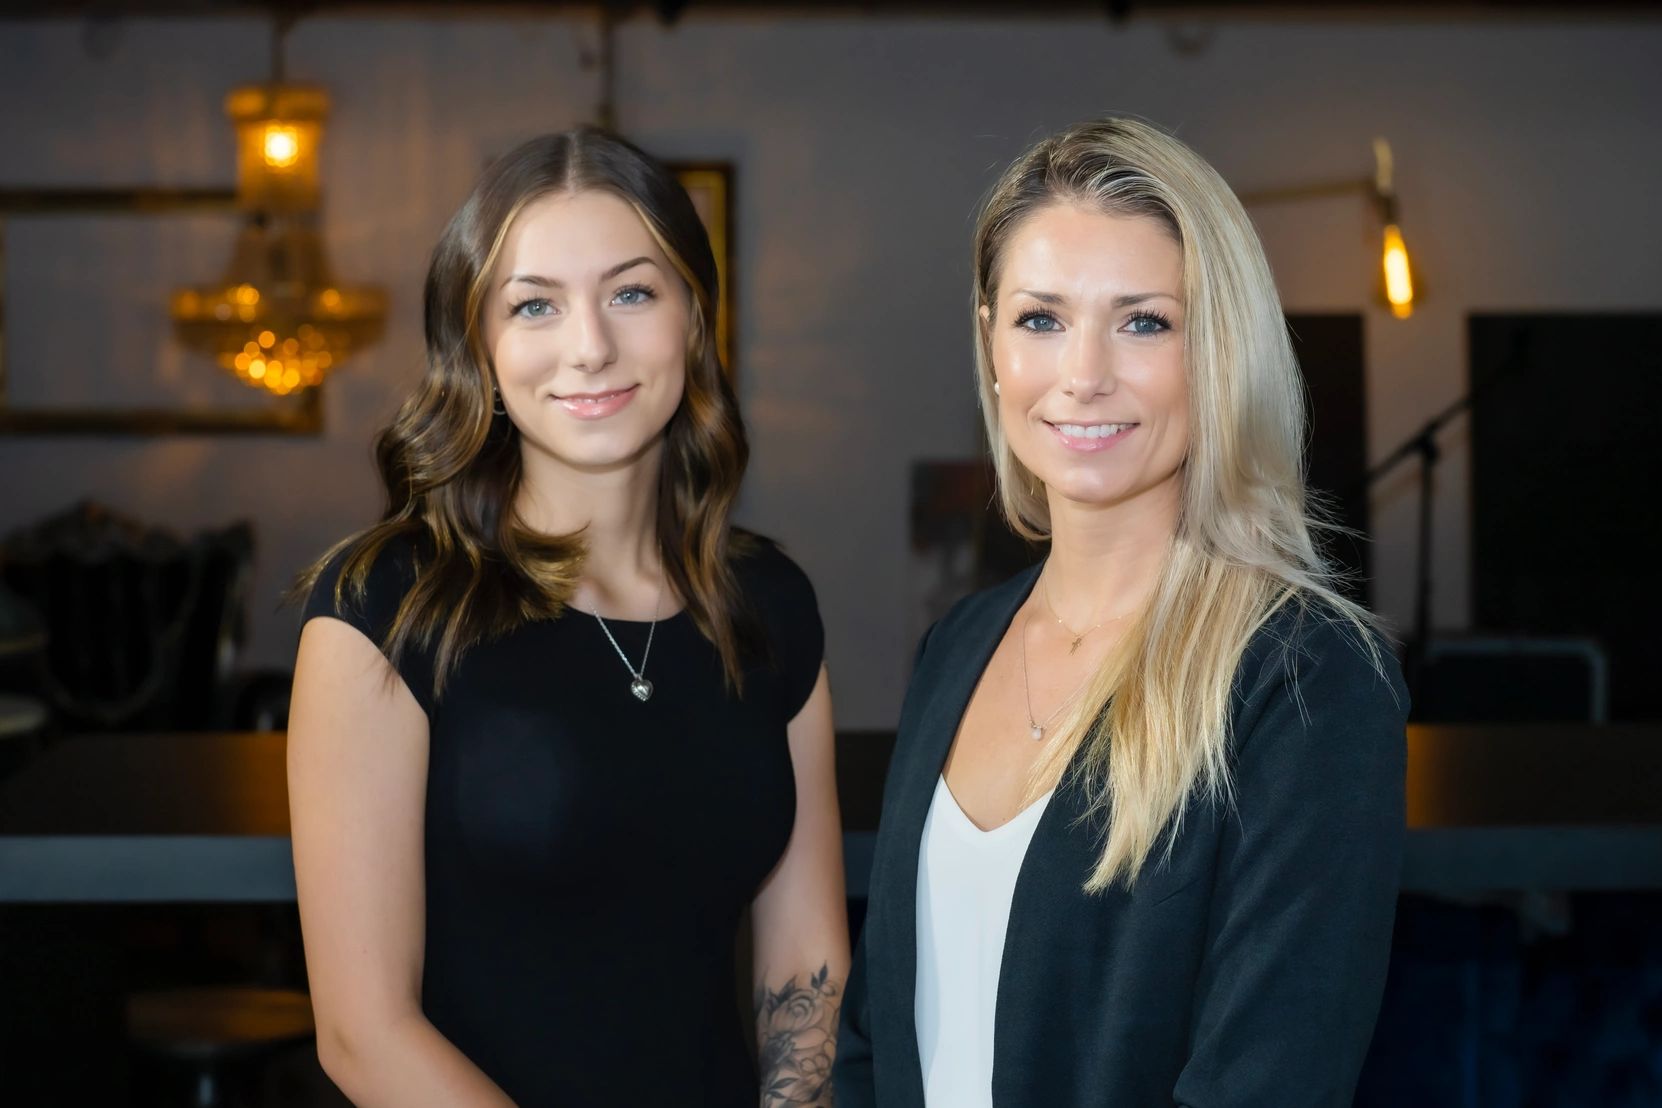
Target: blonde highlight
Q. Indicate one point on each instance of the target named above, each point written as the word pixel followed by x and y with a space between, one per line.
pixel 1152 728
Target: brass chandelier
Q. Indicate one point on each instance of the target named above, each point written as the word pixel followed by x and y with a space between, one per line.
pixel 278 319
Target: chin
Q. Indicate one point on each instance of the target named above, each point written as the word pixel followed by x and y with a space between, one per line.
pixel 607 458
pixel 1087 500
pixel 608 450
pixel 1091 491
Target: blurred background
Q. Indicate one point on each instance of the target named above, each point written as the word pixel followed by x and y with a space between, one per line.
pixel 214 226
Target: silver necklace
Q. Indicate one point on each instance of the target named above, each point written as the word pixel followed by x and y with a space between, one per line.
pixel 1034 727
pixel 640 686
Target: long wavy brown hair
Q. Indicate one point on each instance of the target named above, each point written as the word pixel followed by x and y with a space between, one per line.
pixel 452 467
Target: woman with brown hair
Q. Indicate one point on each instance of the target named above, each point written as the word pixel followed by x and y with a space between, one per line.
pixel 1142 830
pixel 556 723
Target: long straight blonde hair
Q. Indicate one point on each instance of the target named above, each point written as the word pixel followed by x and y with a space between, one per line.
pixel 1153 723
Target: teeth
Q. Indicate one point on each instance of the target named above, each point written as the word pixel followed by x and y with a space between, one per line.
pixel 1096 431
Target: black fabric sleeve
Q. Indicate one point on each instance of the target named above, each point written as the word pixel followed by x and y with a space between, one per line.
pixel 1309 861
pixel 782 597
pixel 852 1072
pixel 372 614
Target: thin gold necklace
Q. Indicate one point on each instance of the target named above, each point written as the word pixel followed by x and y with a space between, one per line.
pixel 1078 636
pixel 1036 729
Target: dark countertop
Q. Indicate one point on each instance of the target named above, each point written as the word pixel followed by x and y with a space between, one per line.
pixel 204 816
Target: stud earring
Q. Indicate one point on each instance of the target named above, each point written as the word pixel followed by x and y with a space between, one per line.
pixel 995 388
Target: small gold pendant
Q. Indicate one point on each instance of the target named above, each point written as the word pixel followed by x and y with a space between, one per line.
pixel 1076 643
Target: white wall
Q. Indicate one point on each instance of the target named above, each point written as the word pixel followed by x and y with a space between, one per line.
pixel 1528 162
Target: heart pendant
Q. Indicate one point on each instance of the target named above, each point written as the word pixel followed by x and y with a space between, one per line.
pixel 642 688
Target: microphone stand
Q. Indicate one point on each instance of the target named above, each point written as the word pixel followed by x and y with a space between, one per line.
pixel 1422 444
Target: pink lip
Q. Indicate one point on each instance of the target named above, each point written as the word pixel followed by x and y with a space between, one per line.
pixel 597 405
pixel 1089 446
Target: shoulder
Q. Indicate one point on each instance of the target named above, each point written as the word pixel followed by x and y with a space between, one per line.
pixel 971 616
pixel 778 596
pixel 363 581
pixel 1311 672
pixel 1306 636
pixel 768 577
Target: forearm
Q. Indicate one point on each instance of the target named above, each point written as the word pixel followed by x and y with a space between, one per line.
pixel 801 961
pixel 404 1062
pixel 796 1034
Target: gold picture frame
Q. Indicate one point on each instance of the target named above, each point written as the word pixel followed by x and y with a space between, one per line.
pixel 710 185
pixel 301 416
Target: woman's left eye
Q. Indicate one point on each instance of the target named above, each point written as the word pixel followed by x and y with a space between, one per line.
pixel 1148 323
pixel 631 296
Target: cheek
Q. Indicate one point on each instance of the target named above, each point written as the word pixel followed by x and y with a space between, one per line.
pixel 655 354
pixel 1175 400
pixel 662 346
pixel 1025 372
pixel 674 387
pixel 521 357
pixel 655 349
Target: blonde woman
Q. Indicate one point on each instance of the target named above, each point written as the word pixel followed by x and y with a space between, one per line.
pixel 1142 830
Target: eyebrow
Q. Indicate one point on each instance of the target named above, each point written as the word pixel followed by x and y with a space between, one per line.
pixel 1127 300
pixel 551 283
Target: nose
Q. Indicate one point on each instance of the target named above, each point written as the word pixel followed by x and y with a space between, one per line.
pixel 1088 365
pixel 591 347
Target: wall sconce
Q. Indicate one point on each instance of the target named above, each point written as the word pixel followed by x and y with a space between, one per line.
pixel 277 318
pixel 1397 273
pixel 1398 285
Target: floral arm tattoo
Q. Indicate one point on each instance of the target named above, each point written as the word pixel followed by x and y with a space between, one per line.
pixel 796 1035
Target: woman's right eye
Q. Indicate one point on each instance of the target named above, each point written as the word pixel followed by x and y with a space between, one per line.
pixel 1039 322
pixel 535 308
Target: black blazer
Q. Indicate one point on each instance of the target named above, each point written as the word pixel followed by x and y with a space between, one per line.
pixel 1246 971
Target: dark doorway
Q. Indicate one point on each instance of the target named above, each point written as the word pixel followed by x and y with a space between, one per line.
pixel 1566 469
pixel 1329 349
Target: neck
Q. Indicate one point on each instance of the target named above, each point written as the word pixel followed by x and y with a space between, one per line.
pixel 616 508
pixel 1106 559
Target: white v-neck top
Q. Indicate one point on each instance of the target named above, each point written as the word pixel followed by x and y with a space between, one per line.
pixel 966 878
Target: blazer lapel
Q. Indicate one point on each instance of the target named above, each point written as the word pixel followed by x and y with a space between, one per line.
pixel 940 692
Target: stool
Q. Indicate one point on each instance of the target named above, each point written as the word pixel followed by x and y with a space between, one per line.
pixel 220 1036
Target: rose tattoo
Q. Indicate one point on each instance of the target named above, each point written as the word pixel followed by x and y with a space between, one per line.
pixel 796 1030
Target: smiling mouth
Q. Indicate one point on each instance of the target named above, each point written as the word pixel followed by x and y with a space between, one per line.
pixel 596 405
pixel 591 397
pixel 1091 430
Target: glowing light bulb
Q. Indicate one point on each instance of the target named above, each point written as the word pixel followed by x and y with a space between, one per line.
pixel 282 146
pixel 1399 284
